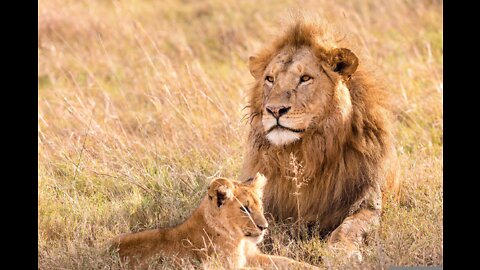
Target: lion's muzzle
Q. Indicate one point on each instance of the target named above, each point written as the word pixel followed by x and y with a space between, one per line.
pixel 277 111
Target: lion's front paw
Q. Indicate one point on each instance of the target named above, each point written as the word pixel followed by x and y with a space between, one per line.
pixel 340 253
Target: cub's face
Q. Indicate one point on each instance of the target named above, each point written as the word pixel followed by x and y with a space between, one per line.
pixel 239 206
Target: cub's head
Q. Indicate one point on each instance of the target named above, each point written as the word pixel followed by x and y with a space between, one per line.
pixel 237 206
pixel 299 82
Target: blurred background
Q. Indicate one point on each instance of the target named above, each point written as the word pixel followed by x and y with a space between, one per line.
pixel 141 103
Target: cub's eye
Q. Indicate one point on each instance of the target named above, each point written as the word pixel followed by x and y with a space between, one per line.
pixel 305 78
pixel 245 209
pixel 269 79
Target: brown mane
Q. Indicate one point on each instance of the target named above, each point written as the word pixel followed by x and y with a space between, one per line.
pixel 343 160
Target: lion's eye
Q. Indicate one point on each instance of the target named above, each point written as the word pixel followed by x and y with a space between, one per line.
pixel 269 79
pixel 245 209
pixel 305 78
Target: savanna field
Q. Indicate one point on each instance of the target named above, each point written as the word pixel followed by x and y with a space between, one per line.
pixel 141 104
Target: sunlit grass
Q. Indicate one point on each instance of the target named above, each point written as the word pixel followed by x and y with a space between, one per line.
pixel 140 104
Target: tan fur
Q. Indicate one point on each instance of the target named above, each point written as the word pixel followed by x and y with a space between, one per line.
pixel 218 227
pixel 342 134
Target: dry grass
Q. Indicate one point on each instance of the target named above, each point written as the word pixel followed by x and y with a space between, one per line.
pixel 140 103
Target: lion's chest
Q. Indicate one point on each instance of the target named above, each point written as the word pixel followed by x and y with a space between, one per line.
pixel 291 200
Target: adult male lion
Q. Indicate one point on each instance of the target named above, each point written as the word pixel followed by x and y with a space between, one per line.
pixel 312 99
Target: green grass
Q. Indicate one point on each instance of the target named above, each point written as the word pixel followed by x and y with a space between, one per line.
pixel 140 105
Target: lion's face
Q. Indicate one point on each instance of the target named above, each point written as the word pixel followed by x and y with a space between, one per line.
pixel 239 206
pixel 295 91
pixel 298 89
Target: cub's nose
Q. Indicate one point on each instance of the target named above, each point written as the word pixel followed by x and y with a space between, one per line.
pixel 263 226
pixel 277 111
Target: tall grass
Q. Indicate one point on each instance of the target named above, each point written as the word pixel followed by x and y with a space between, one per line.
pixel 140 104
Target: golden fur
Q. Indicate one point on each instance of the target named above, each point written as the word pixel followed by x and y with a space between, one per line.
pixel 228 223
pixel 335 121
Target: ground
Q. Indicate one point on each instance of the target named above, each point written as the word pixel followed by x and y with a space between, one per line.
pixel 141 104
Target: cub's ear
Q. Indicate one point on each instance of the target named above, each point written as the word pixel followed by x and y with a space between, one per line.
pixel 256 68
pixel 258 183
pixel 343 61
pixel 220 191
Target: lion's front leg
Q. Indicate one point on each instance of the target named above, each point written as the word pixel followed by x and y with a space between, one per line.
pixel 351 233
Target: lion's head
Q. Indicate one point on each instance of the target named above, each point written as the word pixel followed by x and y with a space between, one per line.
pixel 298 83
pixel 238 207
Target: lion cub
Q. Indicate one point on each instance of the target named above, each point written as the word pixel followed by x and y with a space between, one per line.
pixel 229 223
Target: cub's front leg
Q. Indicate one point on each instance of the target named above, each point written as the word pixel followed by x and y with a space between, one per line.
pixel 255 258
pixel 276 262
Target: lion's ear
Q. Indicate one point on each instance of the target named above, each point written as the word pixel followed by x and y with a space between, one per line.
pixel 259 182
pixel 220 191
pixel 256 68
pixel 343 61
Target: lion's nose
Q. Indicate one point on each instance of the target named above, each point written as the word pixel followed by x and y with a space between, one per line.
pixel 277 111
pixel 263 226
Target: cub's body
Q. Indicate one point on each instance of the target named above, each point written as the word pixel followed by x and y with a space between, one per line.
pixel 228 224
